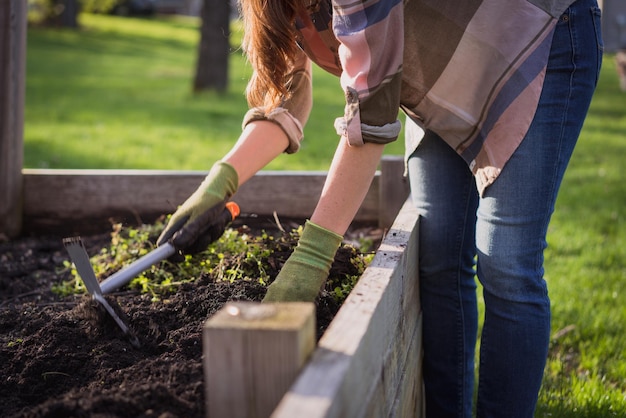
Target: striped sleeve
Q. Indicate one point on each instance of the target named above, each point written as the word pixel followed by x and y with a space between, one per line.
pixel 371 36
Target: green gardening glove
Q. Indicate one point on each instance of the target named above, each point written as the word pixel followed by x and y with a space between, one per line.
pixel 306 270
pixel 193 226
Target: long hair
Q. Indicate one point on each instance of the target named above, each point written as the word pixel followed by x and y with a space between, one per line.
pixel 269 43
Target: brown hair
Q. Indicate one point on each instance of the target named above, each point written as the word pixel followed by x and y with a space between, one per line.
pixel 270 45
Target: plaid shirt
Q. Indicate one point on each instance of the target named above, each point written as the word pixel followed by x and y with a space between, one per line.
pixel 471 71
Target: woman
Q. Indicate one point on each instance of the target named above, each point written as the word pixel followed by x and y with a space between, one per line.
pixel 495 93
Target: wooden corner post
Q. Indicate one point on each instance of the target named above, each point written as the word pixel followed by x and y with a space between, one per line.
pixel 252 354
pixel 12 85
pixel 393 189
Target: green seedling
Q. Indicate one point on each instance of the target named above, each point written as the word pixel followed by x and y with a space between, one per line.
pixel 236 255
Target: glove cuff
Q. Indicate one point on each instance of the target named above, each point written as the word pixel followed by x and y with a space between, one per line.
pixel 317 235
pixel 222 180
pixel 317 246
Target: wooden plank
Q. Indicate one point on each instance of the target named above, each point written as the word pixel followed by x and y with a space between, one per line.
pixel 252 354
pixel 82 201
pixel 75 201
pixel 12 75
pixel 399 394
pixel 56 199
pixel 393 190
pixel 368 363
pixel 409 401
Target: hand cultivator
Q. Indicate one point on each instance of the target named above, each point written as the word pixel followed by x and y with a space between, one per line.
pixel 80 258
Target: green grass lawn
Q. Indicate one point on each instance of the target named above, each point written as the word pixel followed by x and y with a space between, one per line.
pixel 586 268
pixel 117 94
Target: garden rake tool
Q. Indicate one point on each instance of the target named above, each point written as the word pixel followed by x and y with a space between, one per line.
pixel 80 258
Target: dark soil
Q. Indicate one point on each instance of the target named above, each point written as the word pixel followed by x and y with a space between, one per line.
pixel 65 357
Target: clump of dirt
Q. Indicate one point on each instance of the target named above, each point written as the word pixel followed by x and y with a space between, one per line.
pixel 65 357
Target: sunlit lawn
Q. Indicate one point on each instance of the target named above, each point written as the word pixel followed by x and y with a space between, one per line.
pixel 586 268
pixel 117 94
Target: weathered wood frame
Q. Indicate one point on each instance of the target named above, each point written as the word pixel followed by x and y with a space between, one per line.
pixel 80 201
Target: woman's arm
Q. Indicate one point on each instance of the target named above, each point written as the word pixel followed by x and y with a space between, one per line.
pixel 306 270
pixel 260 142
pixel 189 228
pixel 348 181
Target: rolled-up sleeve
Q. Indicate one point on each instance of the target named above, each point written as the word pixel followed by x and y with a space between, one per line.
pixel 293 114
pixel 371 36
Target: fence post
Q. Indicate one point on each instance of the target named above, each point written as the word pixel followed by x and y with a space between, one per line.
pixel 393 191
pixel 12 76
pixel 252 354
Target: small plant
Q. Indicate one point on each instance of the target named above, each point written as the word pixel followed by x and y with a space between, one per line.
pixel 236 255
pixel 341 282
pixel 15 342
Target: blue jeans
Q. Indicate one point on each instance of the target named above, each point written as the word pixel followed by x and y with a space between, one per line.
pixel 500 238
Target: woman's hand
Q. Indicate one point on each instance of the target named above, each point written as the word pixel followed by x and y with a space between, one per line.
pixel 194 225
pixel 306 270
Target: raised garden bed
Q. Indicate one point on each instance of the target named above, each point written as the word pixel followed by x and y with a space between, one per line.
pixel 362 365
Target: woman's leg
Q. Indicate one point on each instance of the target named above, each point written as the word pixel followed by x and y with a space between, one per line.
pixel 513 218
pixel 444 191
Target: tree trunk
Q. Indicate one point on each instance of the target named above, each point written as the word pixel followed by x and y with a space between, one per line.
pixel 212 64
pixel 62 13
pixel 12 76
pixel 69 14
